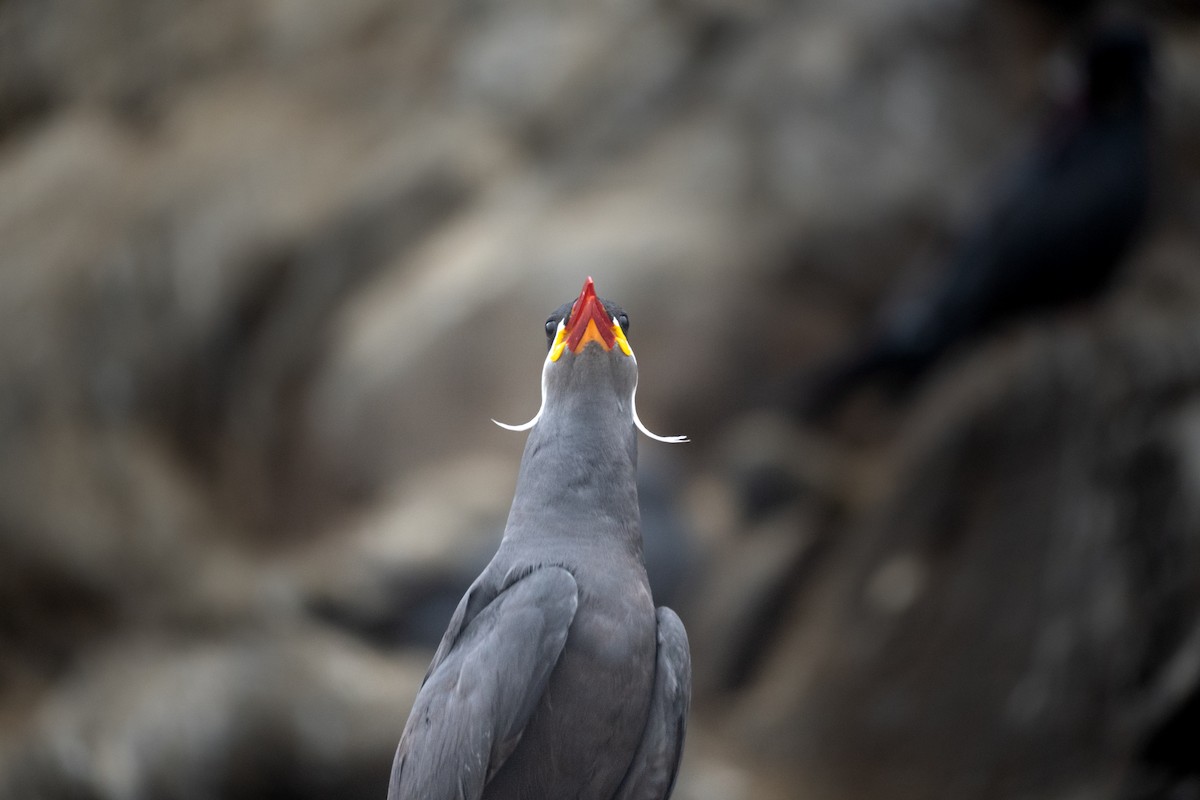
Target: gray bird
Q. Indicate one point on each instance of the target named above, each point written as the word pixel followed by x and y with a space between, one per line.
pixel 557 677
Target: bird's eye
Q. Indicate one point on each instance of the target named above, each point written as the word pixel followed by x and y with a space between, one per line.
pixel 623 321
pixel 551 326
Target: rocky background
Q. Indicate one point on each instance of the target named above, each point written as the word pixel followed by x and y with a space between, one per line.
pixel 268 267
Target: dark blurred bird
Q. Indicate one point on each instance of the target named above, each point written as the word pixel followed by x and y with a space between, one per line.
pixel 557 677
pixel 1059 228
pixel 1068 9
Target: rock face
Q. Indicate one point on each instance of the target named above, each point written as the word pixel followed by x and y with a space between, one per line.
pixel 267 268
pixel 1017 615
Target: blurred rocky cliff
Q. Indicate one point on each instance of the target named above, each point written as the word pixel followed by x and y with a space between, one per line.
pixel 268 267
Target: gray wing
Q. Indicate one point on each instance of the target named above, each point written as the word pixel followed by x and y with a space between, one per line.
pixel 652 773
pixel 484 684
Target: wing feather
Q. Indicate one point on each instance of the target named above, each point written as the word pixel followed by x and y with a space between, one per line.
pixel 651 775
pixel 484 683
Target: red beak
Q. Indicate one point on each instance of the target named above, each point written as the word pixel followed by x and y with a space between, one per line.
pixel 589 322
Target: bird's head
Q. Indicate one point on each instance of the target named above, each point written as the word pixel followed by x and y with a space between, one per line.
pixel 588 354
pixel 1119 67
pixel 588 320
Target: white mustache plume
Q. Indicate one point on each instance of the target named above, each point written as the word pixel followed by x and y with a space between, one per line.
pixel 632 406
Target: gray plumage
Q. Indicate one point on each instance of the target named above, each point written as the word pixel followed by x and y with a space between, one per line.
pixel 557 678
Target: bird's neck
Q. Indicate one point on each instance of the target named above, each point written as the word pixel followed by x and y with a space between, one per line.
pixel 578 475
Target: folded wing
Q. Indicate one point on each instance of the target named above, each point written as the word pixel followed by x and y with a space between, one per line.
pixel 652 773
pixel 485 682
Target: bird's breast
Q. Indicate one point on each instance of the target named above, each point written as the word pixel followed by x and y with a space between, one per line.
pixel 614 627
pixel 591 716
